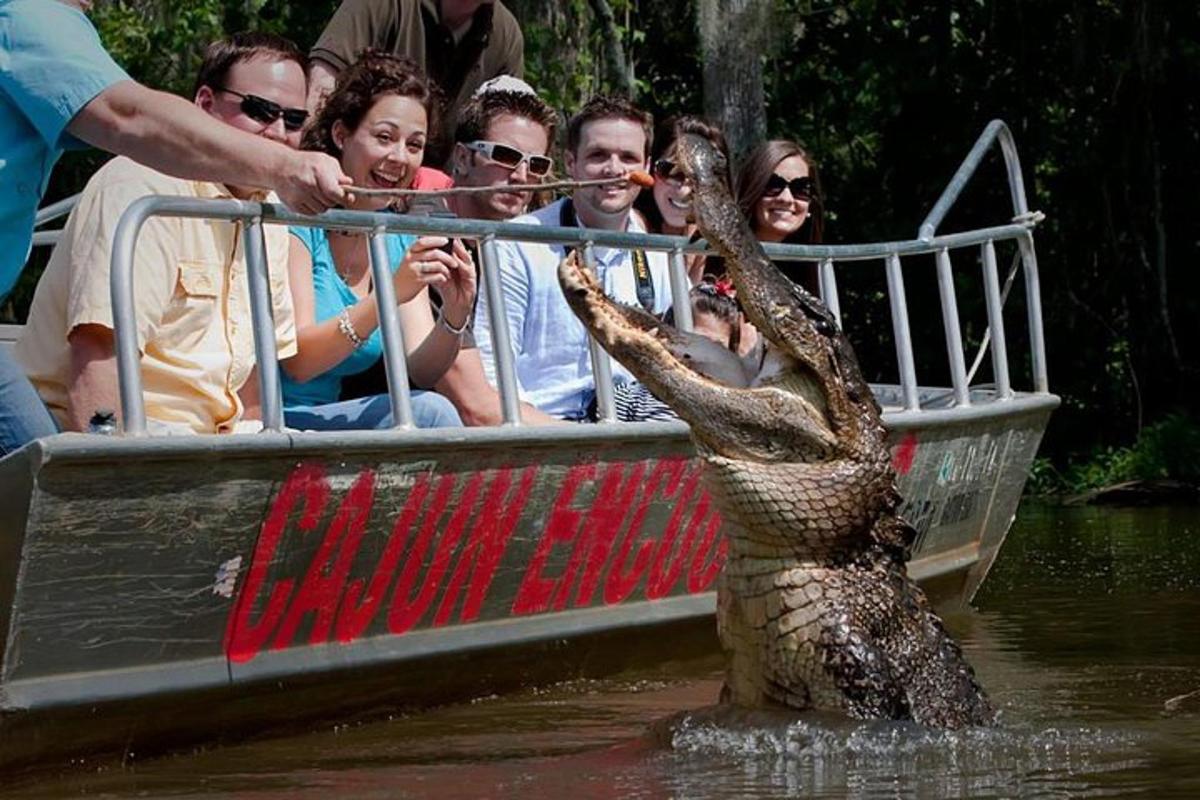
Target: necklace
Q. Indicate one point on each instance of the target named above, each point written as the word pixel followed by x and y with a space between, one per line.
pixel 345 274
pixel 351 284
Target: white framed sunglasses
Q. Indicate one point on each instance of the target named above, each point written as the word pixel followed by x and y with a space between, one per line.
pixel 511 157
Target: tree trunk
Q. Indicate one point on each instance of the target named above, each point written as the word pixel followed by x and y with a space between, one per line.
pixel 734 36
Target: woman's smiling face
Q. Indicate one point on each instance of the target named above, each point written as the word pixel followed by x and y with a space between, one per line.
pixel 672 194
pixel 386 148
pixel 776 218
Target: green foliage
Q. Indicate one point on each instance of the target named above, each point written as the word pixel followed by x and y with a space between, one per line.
pixel 164 44
pixel 565 55
pixel 1166 450
pixel 561 57
pixel 1101 96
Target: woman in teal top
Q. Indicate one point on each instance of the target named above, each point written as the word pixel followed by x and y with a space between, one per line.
pixel 375 122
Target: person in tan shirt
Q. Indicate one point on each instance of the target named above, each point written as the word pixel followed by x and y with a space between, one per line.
pixel 190 288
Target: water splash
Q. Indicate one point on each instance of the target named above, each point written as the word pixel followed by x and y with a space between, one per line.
pixel 819 755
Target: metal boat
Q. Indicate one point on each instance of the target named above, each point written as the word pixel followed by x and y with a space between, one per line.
pixel 160 591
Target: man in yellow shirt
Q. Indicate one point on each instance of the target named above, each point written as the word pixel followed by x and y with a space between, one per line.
pixel 190 288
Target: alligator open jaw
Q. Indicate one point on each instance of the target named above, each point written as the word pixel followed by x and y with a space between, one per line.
pixel 815 608
pixel 685 370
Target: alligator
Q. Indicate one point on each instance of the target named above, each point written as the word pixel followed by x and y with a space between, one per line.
pixel 815 609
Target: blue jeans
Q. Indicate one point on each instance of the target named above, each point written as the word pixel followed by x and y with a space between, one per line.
pixel 23 415
pixel 430 410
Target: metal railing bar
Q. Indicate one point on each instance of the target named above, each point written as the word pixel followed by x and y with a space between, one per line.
pixel 129 375
pixel 84 450
pixel 55 210
pixel 954 348
pixel 272 213
pixel 1033 302
pixel 602 379
pixel 509 231
pixel 46 238
pixel 902 333
pixel 829 290
pixel 262 320
pixel 506 373
pixel 996 130
pixel 680 291
pixel 995 313
pixel 395 359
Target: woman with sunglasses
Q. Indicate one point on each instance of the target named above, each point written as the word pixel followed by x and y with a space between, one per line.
pixel 778 191
pixel 666 207
pixel 376 124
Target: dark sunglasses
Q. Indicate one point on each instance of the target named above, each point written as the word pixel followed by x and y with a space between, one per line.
pixel 801 188
pixel 667 170
pixel 260 109
pixel 511 157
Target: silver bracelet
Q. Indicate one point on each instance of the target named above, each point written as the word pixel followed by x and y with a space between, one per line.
pixel 348 330
pixel 445 324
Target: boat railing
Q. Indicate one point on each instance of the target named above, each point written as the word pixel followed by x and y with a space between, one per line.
pixel 995 132
pixel 48 214
pixel 828 258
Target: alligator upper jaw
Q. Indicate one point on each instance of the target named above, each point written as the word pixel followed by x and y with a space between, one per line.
pixel 793 320
pixel 762 424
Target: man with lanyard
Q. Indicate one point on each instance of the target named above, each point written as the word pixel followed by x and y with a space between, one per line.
pixel 459 43
pixel 59 89
pixel 609 137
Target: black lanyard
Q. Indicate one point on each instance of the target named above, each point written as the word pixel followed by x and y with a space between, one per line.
pixel 641 265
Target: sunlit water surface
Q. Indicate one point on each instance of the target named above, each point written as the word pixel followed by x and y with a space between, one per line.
pixel 1087 627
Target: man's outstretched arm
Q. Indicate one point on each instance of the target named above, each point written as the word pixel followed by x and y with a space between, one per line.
pixel 172 135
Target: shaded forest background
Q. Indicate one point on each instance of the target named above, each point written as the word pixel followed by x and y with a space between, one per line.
pixel 889 95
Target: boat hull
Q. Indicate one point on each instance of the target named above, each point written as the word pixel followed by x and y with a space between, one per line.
pixel 157 592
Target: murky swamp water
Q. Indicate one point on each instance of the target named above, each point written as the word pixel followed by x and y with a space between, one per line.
pixel 1088 625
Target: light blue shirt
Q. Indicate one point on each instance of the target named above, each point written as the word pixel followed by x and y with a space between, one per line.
pixel 550 344
pixel 330 296
pixel 51 66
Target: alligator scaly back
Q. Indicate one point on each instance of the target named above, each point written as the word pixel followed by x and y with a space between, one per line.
pixel 814 606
